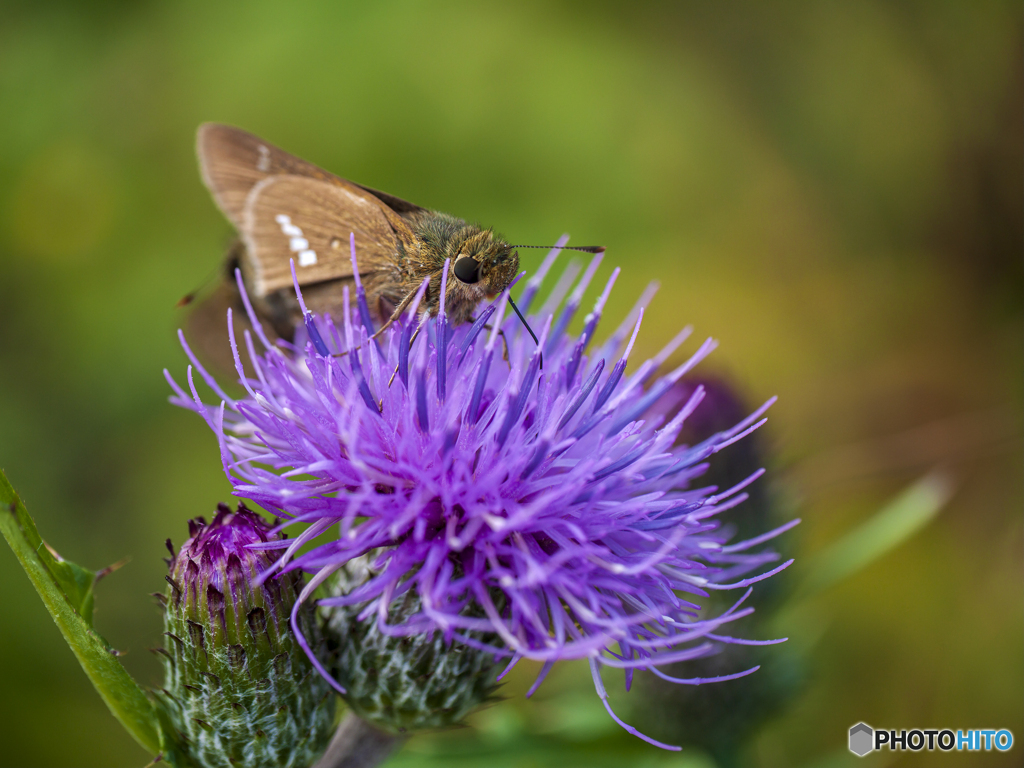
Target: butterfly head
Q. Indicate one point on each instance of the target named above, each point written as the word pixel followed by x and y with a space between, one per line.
pixel 487 263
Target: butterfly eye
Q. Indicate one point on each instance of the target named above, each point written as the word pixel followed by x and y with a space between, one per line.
pixel 467 269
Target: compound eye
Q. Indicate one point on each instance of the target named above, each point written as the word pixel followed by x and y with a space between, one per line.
pixel 467 269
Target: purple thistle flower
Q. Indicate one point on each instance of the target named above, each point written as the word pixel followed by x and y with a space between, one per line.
pixel 546 504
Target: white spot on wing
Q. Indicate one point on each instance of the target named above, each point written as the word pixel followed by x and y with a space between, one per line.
pixel 296 242
pixel 263 164
pixel 287 227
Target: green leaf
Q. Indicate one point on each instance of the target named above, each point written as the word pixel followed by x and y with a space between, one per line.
pixel 897 521
pixel 67 592
pixel 76 582
pixel 904 516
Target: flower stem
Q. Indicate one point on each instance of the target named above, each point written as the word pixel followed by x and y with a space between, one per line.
pixel 357 744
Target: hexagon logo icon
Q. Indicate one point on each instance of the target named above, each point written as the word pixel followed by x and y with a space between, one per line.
pixel 861 739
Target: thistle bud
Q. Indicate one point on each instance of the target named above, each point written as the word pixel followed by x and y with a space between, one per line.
pixel 239 690
pixel 403 683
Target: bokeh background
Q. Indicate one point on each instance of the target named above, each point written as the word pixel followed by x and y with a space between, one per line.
pixel 833 190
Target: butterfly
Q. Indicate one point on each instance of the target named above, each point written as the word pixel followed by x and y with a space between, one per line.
pixel 287 210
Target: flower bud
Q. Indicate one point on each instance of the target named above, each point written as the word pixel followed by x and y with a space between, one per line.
pixel 239 690
pixel 404 683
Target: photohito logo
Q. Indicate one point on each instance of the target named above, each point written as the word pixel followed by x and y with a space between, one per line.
pixel 864 739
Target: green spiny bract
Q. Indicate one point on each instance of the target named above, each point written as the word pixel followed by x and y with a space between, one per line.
pixel 238 690
pixel 402 684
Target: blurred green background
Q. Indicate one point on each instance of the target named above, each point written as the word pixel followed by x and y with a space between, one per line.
pixel 833 190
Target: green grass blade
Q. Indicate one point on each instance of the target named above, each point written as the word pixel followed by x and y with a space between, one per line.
pixel 904 516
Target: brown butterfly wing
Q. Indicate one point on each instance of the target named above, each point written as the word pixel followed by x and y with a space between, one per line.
pixel 396 204
pixel 233 161
pixel 206 329
pixel 309 221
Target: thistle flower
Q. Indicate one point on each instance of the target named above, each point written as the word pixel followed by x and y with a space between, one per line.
pixel 536 508
pixel 238 688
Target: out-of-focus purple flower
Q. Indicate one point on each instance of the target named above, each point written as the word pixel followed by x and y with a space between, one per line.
pixel 547 493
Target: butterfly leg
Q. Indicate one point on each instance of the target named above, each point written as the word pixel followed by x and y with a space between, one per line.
pixel 504 340
pixel 394 316
pixel 504 344
pixel 411 342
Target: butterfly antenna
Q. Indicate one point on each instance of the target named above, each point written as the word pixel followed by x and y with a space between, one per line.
pixel 528 329
pixel 584 248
